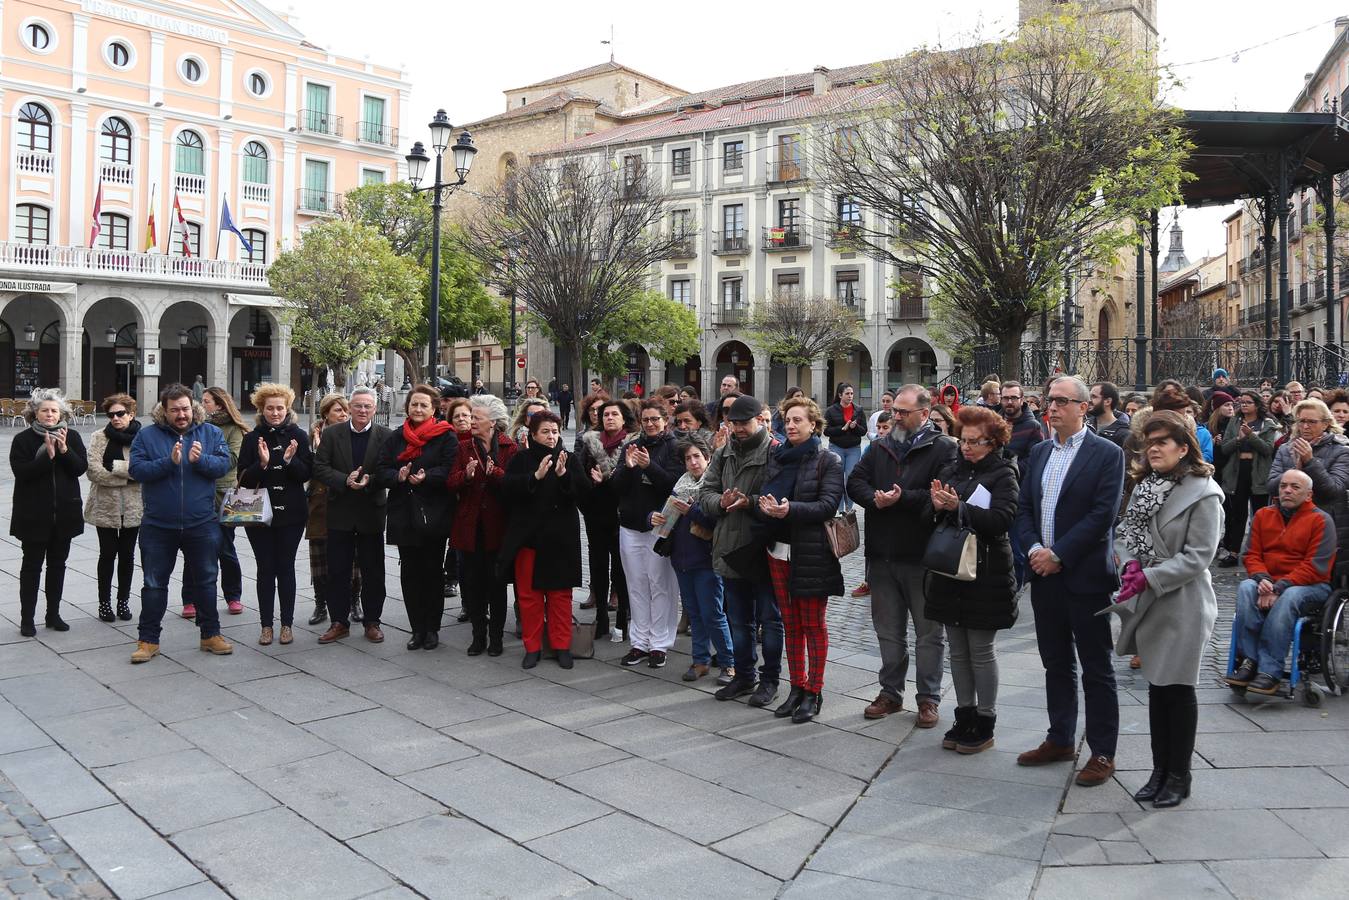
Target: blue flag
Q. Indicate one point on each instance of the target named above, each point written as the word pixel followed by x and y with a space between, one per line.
pixel 227 224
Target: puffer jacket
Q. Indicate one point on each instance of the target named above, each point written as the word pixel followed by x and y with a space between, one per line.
pixel 46 490
pixel 181 496
pixel 644 491
pixel 988 602
pixel 114 499
pixel 814 500
pixel 737 551
pixel 284 480
pixel 900 531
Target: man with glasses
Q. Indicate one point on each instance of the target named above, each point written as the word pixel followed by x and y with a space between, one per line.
pixel 1296 392
pixel 891 482
pixel 1069 496
pixel 343 461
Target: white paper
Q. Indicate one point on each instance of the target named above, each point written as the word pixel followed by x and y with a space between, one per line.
pixel 980 498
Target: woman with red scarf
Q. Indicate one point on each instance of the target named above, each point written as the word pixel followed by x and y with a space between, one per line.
pixel 413 465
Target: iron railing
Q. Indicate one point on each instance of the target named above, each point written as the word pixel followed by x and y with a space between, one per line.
pixel 686 245
pixel 313 201
pixel 908 309
pixel 732 242
pixel 856 305
pixel 785 237
pixel 730 315
pixel 377 133
pixel 320 121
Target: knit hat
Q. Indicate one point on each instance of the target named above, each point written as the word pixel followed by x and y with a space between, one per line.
pixel 1221 397
pixel 1219 373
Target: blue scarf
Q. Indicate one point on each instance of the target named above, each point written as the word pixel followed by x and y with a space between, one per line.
pixel 783 485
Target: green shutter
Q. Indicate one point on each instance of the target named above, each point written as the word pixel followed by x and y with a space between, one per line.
pixel 316 102
pixel 189 160
pixel 373 127
pixel 316 184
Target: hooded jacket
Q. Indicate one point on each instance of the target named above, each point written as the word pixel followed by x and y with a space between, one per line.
pixel 283 480
pixel 178 496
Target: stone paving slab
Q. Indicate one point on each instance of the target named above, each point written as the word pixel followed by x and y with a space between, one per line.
pixel 250 738
pixel 925 867
pixel 1183 880
pixel 301 698
pixel 183 790
pixel 17 731
pixel 392 743
pixel 126 853
pixel 907 822
pixel 105 737
pixel 1194 834
pixel 1325 829
pixel 779 847
pixel 179 696
pixel 1257 879
pixel 537 746
pixel 54 783
pixel 427 701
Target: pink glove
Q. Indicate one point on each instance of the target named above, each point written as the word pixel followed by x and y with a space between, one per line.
pixel 1133 582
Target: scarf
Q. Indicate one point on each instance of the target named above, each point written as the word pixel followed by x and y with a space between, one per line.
pixel 686 488
pixel 783 484
pixel 117 440
pixel 220 419
pixel 488 450
pixel 1148 498
pixel 44 430
pixel 611 444
pixel 418 436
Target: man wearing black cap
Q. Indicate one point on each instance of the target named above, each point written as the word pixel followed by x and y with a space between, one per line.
pixel 729 491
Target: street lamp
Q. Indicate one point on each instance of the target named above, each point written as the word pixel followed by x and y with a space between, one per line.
pixel 417 160
pixel 110 335
pixel 29 333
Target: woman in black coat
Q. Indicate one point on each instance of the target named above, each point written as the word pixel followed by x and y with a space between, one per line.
pixel 974 611
pixel 414 464
pixel 801 490
pixel 845 424
pixel 276 455
pixel 47 460
pixel 541 552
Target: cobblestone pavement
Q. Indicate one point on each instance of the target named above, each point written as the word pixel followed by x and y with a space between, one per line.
pixel 363 770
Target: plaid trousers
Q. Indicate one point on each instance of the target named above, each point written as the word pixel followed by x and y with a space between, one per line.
pixel 806 634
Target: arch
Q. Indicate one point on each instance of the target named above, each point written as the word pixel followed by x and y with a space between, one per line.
pixel 636 367
pixel 690 371
pixel 506 165
pixel 26 364
pixel 189 152
pixel 256 162
pixel 855 368
pixel 186 328
pixel 115 140
pixel 910 360
pixel 34 124
pixel 735 358
pixel 248 364
pixel 111 366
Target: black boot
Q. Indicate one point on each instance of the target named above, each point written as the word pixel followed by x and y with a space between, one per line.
pixel 809 708
pixel 1175 788
pixel 53 619
pixel 431 641
pixel 979 736
pixel 531 659
pixel 320 614
pixel 1182 720
pixel 416 642
pixel 105 610
pixel 1151 787
pixel 964 721
pixel 794 698
pixel 494 644
pixel 123 609
pixel 479 643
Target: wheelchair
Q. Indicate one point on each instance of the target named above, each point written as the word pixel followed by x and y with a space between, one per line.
pixel 1320 647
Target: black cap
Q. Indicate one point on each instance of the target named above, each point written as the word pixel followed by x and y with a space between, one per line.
pixel 448 392
pixel 744 408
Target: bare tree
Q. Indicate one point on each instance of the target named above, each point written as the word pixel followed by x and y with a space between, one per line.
pixel 798 330
pixel 574 239
pixel 993 167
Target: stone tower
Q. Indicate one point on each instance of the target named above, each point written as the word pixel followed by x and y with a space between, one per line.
pixel 1134 19
pixel 1175 259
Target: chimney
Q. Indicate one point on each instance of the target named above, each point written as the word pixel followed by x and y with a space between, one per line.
pixel 821 81
pixel 1341 24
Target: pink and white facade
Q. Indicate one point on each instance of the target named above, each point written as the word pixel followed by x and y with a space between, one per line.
pixel 125 105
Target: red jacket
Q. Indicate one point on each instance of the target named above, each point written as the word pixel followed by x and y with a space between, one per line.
pixel 479 496
pixel 1299 551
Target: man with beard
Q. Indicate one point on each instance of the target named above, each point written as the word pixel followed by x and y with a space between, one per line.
pixel 1108 421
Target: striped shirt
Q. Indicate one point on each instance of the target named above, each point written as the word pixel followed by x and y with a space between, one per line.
pixel 1061 456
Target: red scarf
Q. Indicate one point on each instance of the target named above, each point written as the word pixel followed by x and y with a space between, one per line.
pixel 611 443
pixel 417 436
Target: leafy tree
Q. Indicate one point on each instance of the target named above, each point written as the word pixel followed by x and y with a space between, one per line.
pixel 467 308
pixel 798 330
pixel 995 167
pixel 344 291
pixel 667 329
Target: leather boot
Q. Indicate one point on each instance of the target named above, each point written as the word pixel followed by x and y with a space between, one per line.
pixel 26 611
pixel 123 609
pixel 1151 787
pixel 53 619
pixel 320 614
pixel 1174 789
pixel 479 643
pixel 794 698
pixel 105 610
pixel 809 708
pixel 964 721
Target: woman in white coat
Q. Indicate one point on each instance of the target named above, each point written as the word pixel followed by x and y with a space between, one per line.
pixel 1166 542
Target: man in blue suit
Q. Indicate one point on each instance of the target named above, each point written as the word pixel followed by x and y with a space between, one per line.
pixel 1070 493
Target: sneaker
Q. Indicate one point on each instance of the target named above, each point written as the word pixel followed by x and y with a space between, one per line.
pixel 189 610
pixel 1228 562
pixel 634 657
pixel 236 608
pixel 736 687
pixel 144 652
pixel 727 675
pixel 765 693
pixel 656 659
pixel 216 645
pixel 862 590
pixel 694 672
pixel 615 637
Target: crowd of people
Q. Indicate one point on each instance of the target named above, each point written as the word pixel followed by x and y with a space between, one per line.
pixel 728 512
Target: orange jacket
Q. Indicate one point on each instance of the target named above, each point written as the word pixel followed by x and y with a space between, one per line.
pixel 1299 551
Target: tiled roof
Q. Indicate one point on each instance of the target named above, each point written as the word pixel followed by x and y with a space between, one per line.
pixel 763 87
pixel 549 103
pixel 795 107
pixel 590 72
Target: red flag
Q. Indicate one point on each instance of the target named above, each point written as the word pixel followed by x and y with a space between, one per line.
pixel 182 226
pixel 96 225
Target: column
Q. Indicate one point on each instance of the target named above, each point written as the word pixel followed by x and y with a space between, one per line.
pixel 152 173
pixel 227 245
pixel 763 374
pixel 77 217
pixel 878 382
pixel 218 358
pixel 281 354
pixel 819 382
pixel 147 386
pixel 292 95
pixel 707 374
pixel 226 84
pixel 79 53
pixel 654 377
pixel 289 184
pixel 156 68
pixel 72 359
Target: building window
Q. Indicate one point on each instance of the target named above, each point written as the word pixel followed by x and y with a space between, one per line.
pixel 789 214
pixel 115 141
pixel 733 218
pixel 189 154
pixel 318 102
pixel 35 128
pixel 732 297
pixel 257 84
pixel 372 125
pixel 849 212
pixel 189 236
pixel 632 171
pixel 118 54
pixel 32 224
pixel 681 222
pixel 192 69
pixel 732 156
pixel 372 176
pixel 681 292
pixel 846 287
pixel 258 239
pixel 314 194
pixel 114 232
pixel 788 285
pixel 255 163
pixel 37 36
pixel 681 162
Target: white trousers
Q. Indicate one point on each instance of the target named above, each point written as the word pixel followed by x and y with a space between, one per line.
pixel 653 592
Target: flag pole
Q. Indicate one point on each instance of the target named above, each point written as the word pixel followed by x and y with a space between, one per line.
pixel 219 232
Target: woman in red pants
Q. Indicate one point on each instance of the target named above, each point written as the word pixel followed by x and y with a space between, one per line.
pixel 542 548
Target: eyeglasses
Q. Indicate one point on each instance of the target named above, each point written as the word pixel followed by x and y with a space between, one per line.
pixel 652 420
pixel 1063 401
pixel 895 411
pixel 118 413
pixel 1310 422
pixel 975 442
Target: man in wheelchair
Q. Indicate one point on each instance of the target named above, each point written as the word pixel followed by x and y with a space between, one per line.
pixel 1289 562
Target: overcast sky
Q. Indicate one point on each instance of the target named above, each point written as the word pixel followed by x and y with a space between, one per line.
pixel 461 56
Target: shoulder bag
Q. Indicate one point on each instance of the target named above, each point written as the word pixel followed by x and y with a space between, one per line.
pixel 842 532
pixel 246 507
pixel 953 549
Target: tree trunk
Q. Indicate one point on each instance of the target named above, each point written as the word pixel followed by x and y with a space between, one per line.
pixel 1009 350
pixel 413 367
pixel 339 377
pixel 580 386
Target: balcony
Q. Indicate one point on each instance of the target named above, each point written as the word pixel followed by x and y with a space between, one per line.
pixel 730 315
pixel 376 133
pixel 72 261
pixel 319 121
pixel 256 193
pixel 1233 290
pixel 1252 315
pixel 1302 294
pixel 734 242
pixel 184 183
pixel 786 171
pixel 686 245
pixel 779 238
pixel 1319 289
pixel 317 202
pixel 842 236
pixel 856 305
pixel 34 162
pixel 908 309
pixel 117 173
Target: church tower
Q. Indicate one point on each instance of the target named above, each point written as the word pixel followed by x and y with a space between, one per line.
pixel 1135 20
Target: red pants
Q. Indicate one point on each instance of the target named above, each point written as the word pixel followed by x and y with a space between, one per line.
pixel 806 636
pixel 536 605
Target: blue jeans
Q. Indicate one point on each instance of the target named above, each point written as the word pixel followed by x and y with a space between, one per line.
pixel 849 456
pixel 708 628
pixel 750 604
pixel 1266 634
pixel 159 551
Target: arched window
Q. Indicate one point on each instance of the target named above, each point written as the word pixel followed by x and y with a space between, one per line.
pixel 115 143
pixel 189 154
pixel 190 236
pixel 37 36
pixel 257 238
pixel 32 224
pixel 255 163
pixel 114 232
pixel 35 128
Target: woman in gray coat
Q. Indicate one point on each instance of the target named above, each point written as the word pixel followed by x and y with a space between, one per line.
pixel 1166 541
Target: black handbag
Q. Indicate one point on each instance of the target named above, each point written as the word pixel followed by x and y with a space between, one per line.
pixel 953 549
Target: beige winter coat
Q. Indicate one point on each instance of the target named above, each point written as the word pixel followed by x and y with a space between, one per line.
pixel 114 499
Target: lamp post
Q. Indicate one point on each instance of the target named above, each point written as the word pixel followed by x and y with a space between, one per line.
pixel 417 160
pixel 182 345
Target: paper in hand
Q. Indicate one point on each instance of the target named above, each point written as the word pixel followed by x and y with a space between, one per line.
pixel 981 498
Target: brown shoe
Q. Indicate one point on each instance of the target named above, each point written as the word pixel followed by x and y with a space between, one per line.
pixel 265 637
pixel 1097 771
pixel 217 645
pixel 287 636
pixel 144 652
pixel 862 590
pixel 882 706
pixel 335 632
pixel 1046 753
pixel 373 634
pixel 927 714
